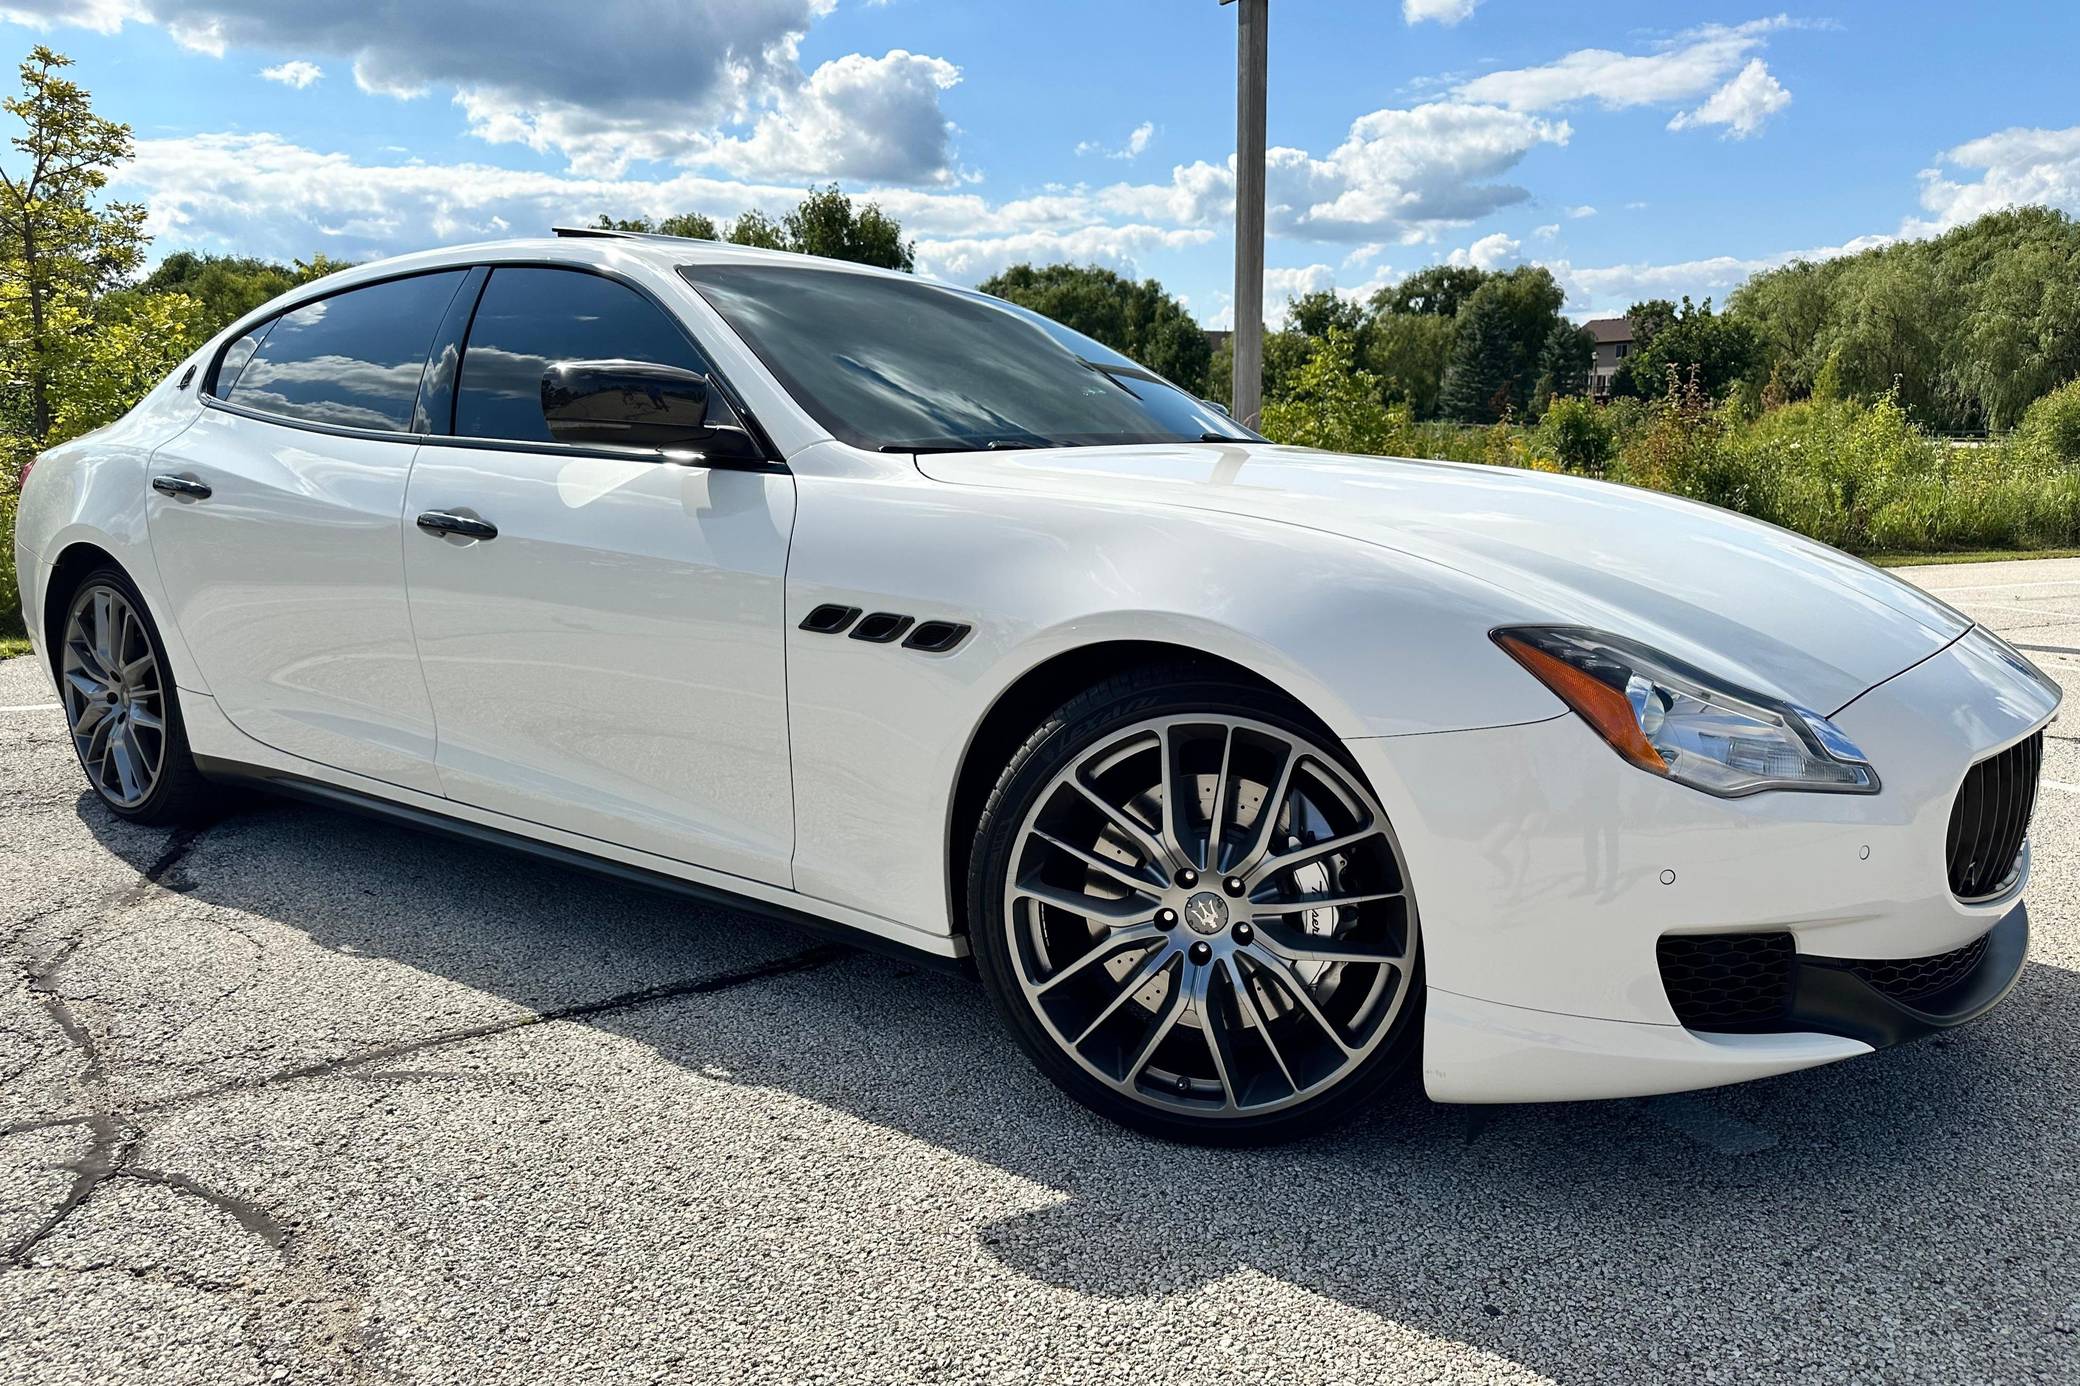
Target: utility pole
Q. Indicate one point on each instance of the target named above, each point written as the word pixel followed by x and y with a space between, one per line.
pixel 1252 19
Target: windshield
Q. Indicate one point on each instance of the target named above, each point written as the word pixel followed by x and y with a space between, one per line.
pixel 901 365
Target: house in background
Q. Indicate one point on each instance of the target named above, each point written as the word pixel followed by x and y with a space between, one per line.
pixel 1613 343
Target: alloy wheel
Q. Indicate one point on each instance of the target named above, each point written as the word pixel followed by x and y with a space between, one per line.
pixel 1211 916
pixel 115 701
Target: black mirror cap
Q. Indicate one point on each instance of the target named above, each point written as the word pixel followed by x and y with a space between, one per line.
pixel 636 404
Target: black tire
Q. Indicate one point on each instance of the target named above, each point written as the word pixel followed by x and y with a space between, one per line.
pixel 181 795
pixel 1072 730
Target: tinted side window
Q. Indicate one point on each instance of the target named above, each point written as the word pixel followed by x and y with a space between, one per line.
pixel 529 319
pixel 353 359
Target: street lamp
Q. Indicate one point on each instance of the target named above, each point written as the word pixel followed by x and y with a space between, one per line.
pixel 1252 20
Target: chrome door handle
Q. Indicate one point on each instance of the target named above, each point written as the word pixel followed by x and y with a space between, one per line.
pixel 462 526
pixel 180 486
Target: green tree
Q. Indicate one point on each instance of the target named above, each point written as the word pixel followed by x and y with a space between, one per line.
pixel 225 287
pixel 755 228
pixel 1563 364
pixel 693 225
pixel 1140 320
pixel 1439 290
pixel 1331 402
pixel 826 223
pixel 1324 311
pixel 1496 342
pixel 1407 353
pixel 1712 349
pixel 60 246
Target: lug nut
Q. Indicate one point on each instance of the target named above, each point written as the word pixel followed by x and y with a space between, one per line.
pixel 1166 919
pixel 1244 933
pixel 1187 878
pixel 1184 1084
pixel 1233 885
pixel 1202 953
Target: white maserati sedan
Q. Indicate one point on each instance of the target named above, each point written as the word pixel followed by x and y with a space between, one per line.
pixel 1245 777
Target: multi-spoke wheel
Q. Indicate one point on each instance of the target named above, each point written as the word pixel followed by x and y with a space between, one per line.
pixel 120 704
pixel 1196 914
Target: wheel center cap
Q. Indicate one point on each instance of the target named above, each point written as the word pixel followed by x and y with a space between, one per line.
pixel 1206 912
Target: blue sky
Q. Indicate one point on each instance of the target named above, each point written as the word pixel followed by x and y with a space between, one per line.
pixel 1636 149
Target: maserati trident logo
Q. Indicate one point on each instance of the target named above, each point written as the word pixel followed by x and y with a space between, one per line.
pixel 1206 912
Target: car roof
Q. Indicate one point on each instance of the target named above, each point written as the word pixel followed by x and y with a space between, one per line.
pixel 587 246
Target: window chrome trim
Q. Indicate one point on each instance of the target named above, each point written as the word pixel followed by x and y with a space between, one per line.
pixel 206 394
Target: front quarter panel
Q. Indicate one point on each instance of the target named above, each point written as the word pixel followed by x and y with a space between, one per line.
pixel 1373 644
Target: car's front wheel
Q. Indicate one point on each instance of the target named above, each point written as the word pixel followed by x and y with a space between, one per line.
pixel 1194 914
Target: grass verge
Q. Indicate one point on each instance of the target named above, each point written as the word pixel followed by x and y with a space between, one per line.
pixel 12 645
pixel 1909 560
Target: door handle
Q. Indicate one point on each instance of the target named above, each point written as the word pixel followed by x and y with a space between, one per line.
pixel 180 486
pixel 462 526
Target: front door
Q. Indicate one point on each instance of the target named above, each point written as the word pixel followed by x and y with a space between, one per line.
pixel 276 530
pixel 610 663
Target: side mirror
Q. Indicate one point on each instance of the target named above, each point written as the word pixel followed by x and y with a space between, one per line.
pixel 633 404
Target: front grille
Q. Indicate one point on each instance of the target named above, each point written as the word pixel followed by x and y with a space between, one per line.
pixel 1727 981
pixel 1991 817
pixel 1912 979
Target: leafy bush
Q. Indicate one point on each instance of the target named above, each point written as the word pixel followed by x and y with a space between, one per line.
pixel 10 588
pixel 1577 435
pixel 2052 424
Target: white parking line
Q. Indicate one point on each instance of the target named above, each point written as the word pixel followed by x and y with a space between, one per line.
pixel 2061 784
pixel 33 707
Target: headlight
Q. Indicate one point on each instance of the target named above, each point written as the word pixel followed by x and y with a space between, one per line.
pixel 1673 720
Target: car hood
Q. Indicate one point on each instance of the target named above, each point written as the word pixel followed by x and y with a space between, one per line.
pixel 1757 604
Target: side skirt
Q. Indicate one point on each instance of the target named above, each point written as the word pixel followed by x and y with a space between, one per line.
pixel 333 796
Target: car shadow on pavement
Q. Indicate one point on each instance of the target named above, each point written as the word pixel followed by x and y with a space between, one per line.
pixel 1910 1215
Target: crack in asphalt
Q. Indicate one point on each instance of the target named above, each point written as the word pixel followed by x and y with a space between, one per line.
pixel 115 1135
pixel 312 1284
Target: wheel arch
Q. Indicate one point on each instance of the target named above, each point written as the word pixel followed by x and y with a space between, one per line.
pixel 1038 691
pixel 73 563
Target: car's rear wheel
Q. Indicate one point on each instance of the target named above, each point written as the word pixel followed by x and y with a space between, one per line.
pixel 121 706
pixel 1194 914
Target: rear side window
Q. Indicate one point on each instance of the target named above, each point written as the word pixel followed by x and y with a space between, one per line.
pixel 352 360
pixel 529 319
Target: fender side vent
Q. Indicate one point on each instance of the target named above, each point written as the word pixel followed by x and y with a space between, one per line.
pixel 881 627
pixel 829 619
pixel 936 637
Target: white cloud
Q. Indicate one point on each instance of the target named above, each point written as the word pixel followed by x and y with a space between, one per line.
pixel 263 195
pixel 1602 289
pixel 1681 70
pixel 1742 105
pixel 1547 232
pixel 1398 175
pixel 715 84
pixel 1136 145
pixel 2015 166
pixel 298 74
pixel 1579 212
pixel 102 16
pixel 1446 12
pixel 969 259
pixel 1492 252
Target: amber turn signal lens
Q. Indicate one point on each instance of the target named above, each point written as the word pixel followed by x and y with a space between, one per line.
pixel 1596 702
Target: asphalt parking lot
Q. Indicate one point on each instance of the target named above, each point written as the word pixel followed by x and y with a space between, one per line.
pixel 303 1097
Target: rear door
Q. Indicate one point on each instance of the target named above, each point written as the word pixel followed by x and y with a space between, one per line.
pixel 610 663
pixel 275 524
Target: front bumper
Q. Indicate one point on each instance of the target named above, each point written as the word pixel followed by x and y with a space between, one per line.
pixel 1479 1051
pixel 1547 870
